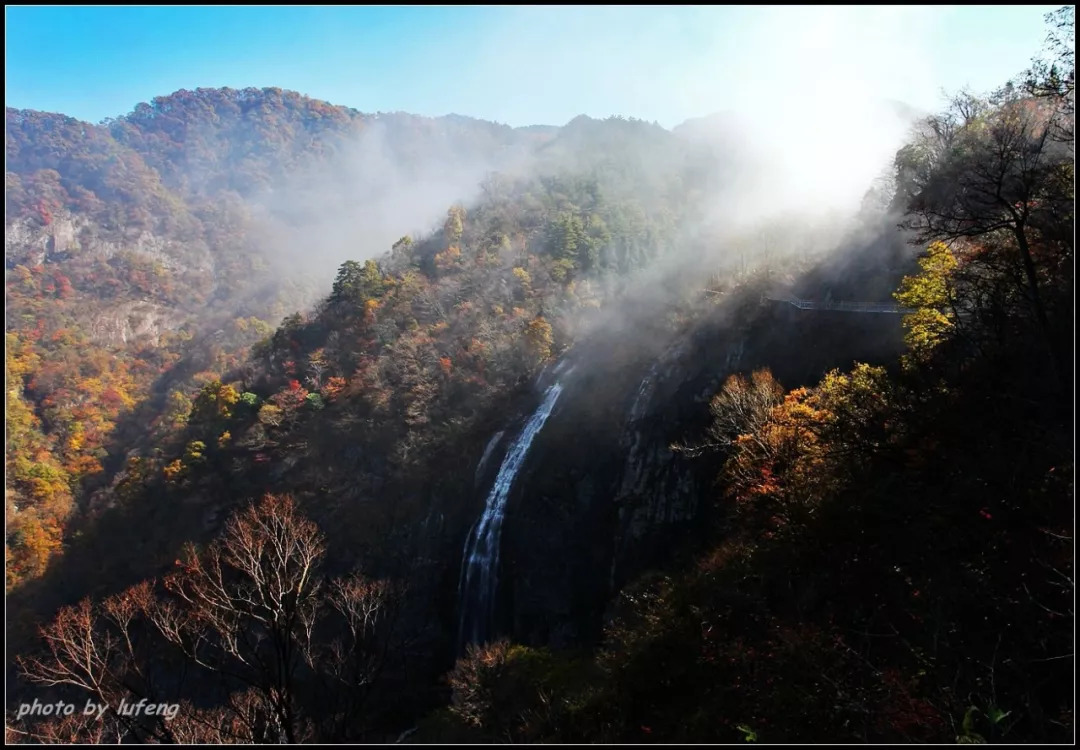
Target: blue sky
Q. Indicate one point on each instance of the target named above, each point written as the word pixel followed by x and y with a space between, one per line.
pixel 519 65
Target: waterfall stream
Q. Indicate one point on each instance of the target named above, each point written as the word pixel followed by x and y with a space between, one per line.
pixel 480 560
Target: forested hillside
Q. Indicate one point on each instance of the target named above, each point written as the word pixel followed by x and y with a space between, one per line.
pixel 146 254
pixel 266 357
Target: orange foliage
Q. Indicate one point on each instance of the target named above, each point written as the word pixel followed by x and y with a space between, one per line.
pixel 449 258
pixel 38 542
pixel 333 387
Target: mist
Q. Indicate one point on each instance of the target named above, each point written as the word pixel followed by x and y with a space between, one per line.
pixel 812 115
pixel 813 92
pixel 792 115
pixel 376 188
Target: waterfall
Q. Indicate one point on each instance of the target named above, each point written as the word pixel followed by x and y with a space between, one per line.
pixel 644 394
pixel 642 492
pixel 487 454
pixel 480 560
pixel 659 370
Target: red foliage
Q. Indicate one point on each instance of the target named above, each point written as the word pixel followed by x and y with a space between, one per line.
pixel 333 387
pixel 290 399
pixel 111 398
pixel 63 283
pixel 44 213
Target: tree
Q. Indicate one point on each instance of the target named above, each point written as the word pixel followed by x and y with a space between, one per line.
pixel 255 592
pixel 318 363
pixel 740 407
pixel 214 404
pixel 538 338
pixel 570 246
pixel 931 295
pixel 252 614
pixel 987 170
pixel 597 237
pixel 401 252
pixel 524 282
pixel 1053 76
pixel 356 282
pixel 455 224
pixel 475 682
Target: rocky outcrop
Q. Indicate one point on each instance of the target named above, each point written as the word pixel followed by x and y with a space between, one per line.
pixel 25 243
pixel 128 322
pixel 29 242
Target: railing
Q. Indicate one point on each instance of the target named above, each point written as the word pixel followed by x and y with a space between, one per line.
pixel 805 304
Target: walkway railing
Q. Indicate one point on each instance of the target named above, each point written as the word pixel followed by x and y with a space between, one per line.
pixel 805 304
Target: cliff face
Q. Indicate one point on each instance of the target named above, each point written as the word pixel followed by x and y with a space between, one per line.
pixel 74 243
pixel 132 321
pixel 601 497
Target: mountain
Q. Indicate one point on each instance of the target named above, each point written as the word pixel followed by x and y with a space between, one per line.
pixel 335 426
pixel 146 255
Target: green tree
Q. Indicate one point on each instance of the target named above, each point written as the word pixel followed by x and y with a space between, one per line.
pixel 567 236
pixel 357 282
pixel 214 403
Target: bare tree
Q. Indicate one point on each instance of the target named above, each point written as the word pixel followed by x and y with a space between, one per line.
pixel 318 363
pixel 254 594
pixel 101 651
pixel 740 408
pixel 253 621
pixel 1052 75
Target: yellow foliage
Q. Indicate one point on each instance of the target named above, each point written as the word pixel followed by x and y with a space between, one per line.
pixel 924 330
pixel 82 465
pixel 25 277
pixel 92 387
pixel 791 461
pixel 193 453
pixel 270 415
pixel 75 438
pixel 539 338
pixel 173 471
pixel 929 288
pixel 929 294
pixel 215 401
pixel 455 223
pixel 179 408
